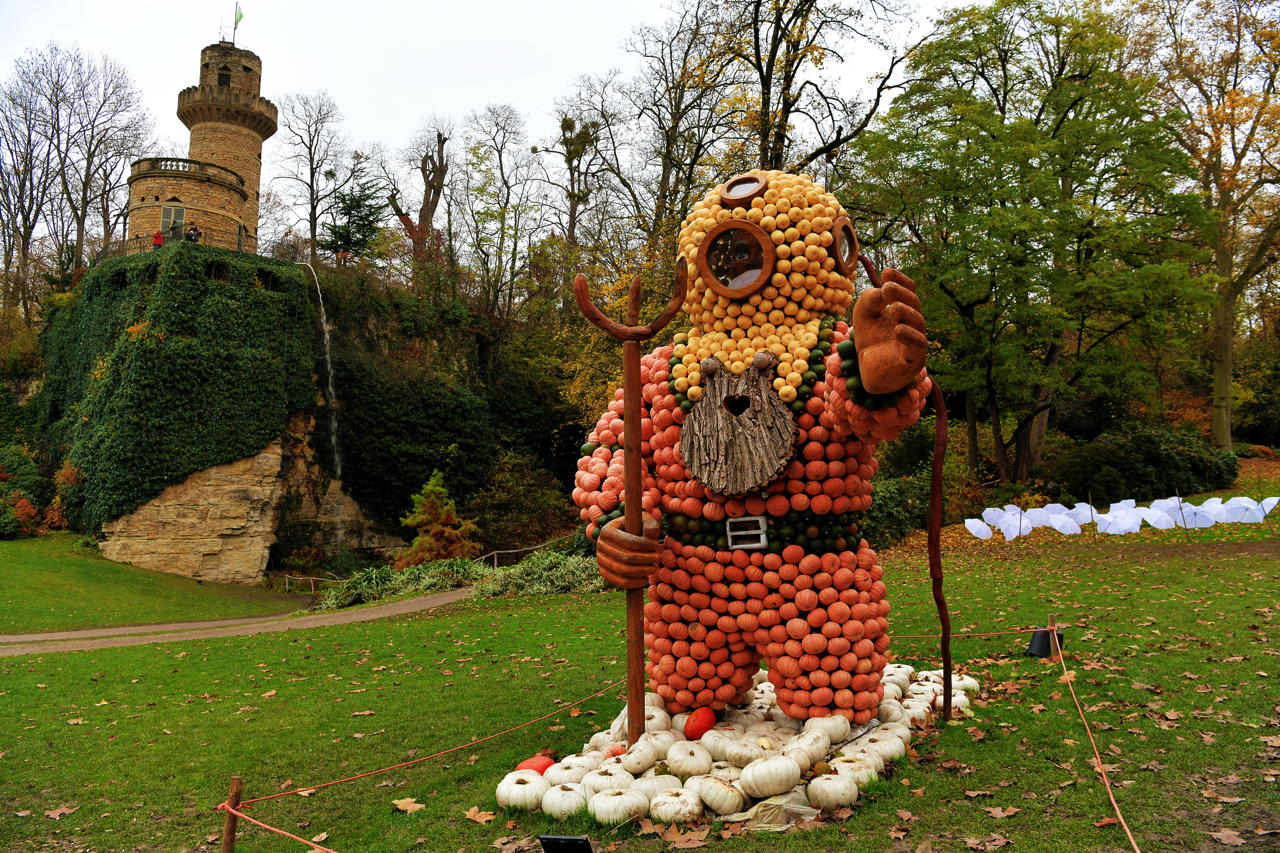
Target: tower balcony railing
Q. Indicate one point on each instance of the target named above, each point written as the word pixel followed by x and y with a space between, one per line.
pixel 150 165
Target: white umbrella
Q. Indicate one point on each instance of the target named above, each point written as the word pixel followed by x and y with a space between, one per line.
pixel 1241 500
pixel 1225 513
pixel 993 516
pixel 1037 517
pixel 1210 503
pixel 1064 523
pixel 1055 509
pixel 1158 519
pixel 1127 503
pixel 1252 515
pixel 1082 513
pixel 978 528
pixel 1268 504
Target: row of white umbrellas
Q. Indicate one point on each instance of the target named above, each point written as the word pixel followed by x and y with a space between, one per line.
pixel 1121 517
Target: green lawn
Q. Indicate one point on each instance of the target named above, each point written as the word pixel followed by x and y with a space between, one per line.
pixel 49 584
pixel 1174 648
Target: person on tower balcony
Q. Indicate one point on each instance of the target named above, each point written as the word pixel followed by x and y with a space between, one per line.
pixel 193 234
pixel 157 241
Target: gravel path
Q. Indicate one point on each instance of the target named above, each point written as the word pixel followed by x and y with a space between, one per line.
pixel 15 645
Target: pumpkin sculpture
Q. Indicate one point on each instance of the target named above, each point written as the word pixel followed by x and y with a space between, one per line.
pixel 759 426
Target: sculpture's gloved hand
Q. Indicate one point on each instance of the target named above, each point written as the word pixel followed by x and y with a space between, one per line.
pixel 627 561
pixel 888 330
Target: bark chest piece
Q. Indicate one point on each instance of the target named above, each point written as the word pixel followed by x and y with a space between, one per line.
pixel 740 435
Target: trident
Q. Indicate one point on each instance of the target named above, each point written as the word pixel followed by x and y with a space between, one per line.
pixel 633 520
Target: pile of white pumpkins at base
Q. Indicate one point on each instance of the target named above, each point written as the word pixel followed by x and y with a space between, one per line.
pixel 722 768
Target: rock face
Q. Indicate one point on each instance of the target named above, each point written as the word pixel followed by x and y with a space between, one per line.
pixel 218 525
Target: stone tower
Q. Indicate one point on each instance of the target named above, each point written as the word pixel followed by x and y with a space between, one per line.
pixel 216 187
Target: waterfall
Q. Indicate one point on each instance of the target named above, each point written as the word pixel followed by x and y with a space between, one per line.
pixel 333 409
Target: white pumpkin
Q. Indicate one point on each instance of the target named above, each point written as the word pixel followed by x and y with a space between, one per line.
pixel 814 742
pixel 799 755
pixel 856 768
pixel 780 717
pixel 766 777
pixel 600 741
pixel 742 751
pixel 891 691
pixel 835 727
pixel 562 801
pixel 678 721
pixel 900 730
pixel 719 795
pixel 761 677
pixel 687 758
pixel 522 789
pixel 890 711
pixel 615 806
pixel 564 774
pixel 832 791
pixel 744 716
pixel 606 778
pixel 675 806
pixel 865 754
pixel 651 785
pixel 640 757
pixel 889 746
pixel 589 760
pixel 657 720
pixel 725 770
pixel 661 741
pixel 717 742
pixel 653 700
pixel 916 711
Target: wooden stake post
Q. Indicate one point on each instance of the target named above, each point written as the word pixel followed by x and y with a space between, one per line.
pixel 229 820
pixel 633 518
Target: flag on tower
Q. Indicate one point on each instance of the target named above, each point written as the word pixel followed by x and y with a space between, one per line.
pixel 239 14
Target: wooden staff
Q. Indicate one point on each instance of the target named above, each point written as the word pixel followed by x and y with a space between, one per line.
pixel 633 518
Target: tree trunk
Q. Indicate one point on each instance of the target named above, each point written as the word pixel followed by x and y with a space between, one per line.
pixel 971 431
pixel 1222 335
pixel 1001 450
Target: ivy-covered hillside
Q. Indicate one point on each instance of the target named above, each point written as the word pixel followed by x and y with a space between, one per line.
pixel 163 364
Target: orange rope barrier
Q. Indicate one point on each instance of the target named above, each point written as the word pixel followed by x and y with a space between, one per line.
pixel 310 788
pixel 893 636
pixel 1097 756
pixel 226 808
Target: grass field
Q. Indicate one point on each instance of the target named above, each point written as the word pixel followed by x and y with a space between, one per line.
pixel 48 583
pixel 1173 647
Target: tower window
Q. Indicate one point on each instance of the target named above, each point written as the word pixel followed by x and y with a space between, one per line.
pixel 172 218
pixel 224 76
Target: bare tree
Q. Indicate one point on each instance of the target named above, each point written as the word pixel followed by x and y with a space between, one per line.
pixel 315 158
pixel 28 175
pixel 94 120
pixel 426 155
pixel 782 45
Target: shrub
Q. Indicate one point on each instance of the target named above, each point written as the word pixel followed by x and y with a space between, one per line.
pixel 18 472
pixel 544 573
pixel 10 527
pixel 520 504
pixel 1143 462
pixel 442 534
pixel 377 582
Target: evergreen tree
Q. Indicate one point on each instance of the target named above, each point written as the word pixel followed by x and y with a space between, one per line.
pixel 359 211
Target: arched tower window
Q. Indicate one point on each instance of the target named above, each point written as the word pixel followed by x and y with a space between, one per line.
pixel 224 76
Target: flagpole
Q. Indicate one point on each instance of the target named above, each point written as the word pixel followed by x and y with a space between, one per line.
pixel 236 25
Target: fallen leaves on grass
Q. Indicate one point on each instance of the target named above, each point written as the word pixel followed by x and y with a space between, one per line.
pixel 972 794
pixel 1227 836
pixel 1001 811
pixel 686 840
pixel 323 836
pixel 994 841
pixel 1106 821
pixel 515 844
pixel 409 805
pixel 60 812
pixel 361 713
pixel 475 814
pixel 732 829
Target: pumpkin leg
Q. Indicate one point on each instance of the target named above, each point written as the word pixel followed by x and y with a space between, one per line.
pixel 698 655
pixel 825 642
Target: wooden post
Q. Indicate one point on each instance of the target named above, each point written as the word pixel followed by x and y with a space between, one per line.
pixel 935 542
pixel 229 821
pixel 631 335
pixel 1053 636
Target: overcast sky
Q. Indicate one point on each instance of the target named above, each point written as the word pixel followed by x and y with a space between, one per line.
pixel 388 63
